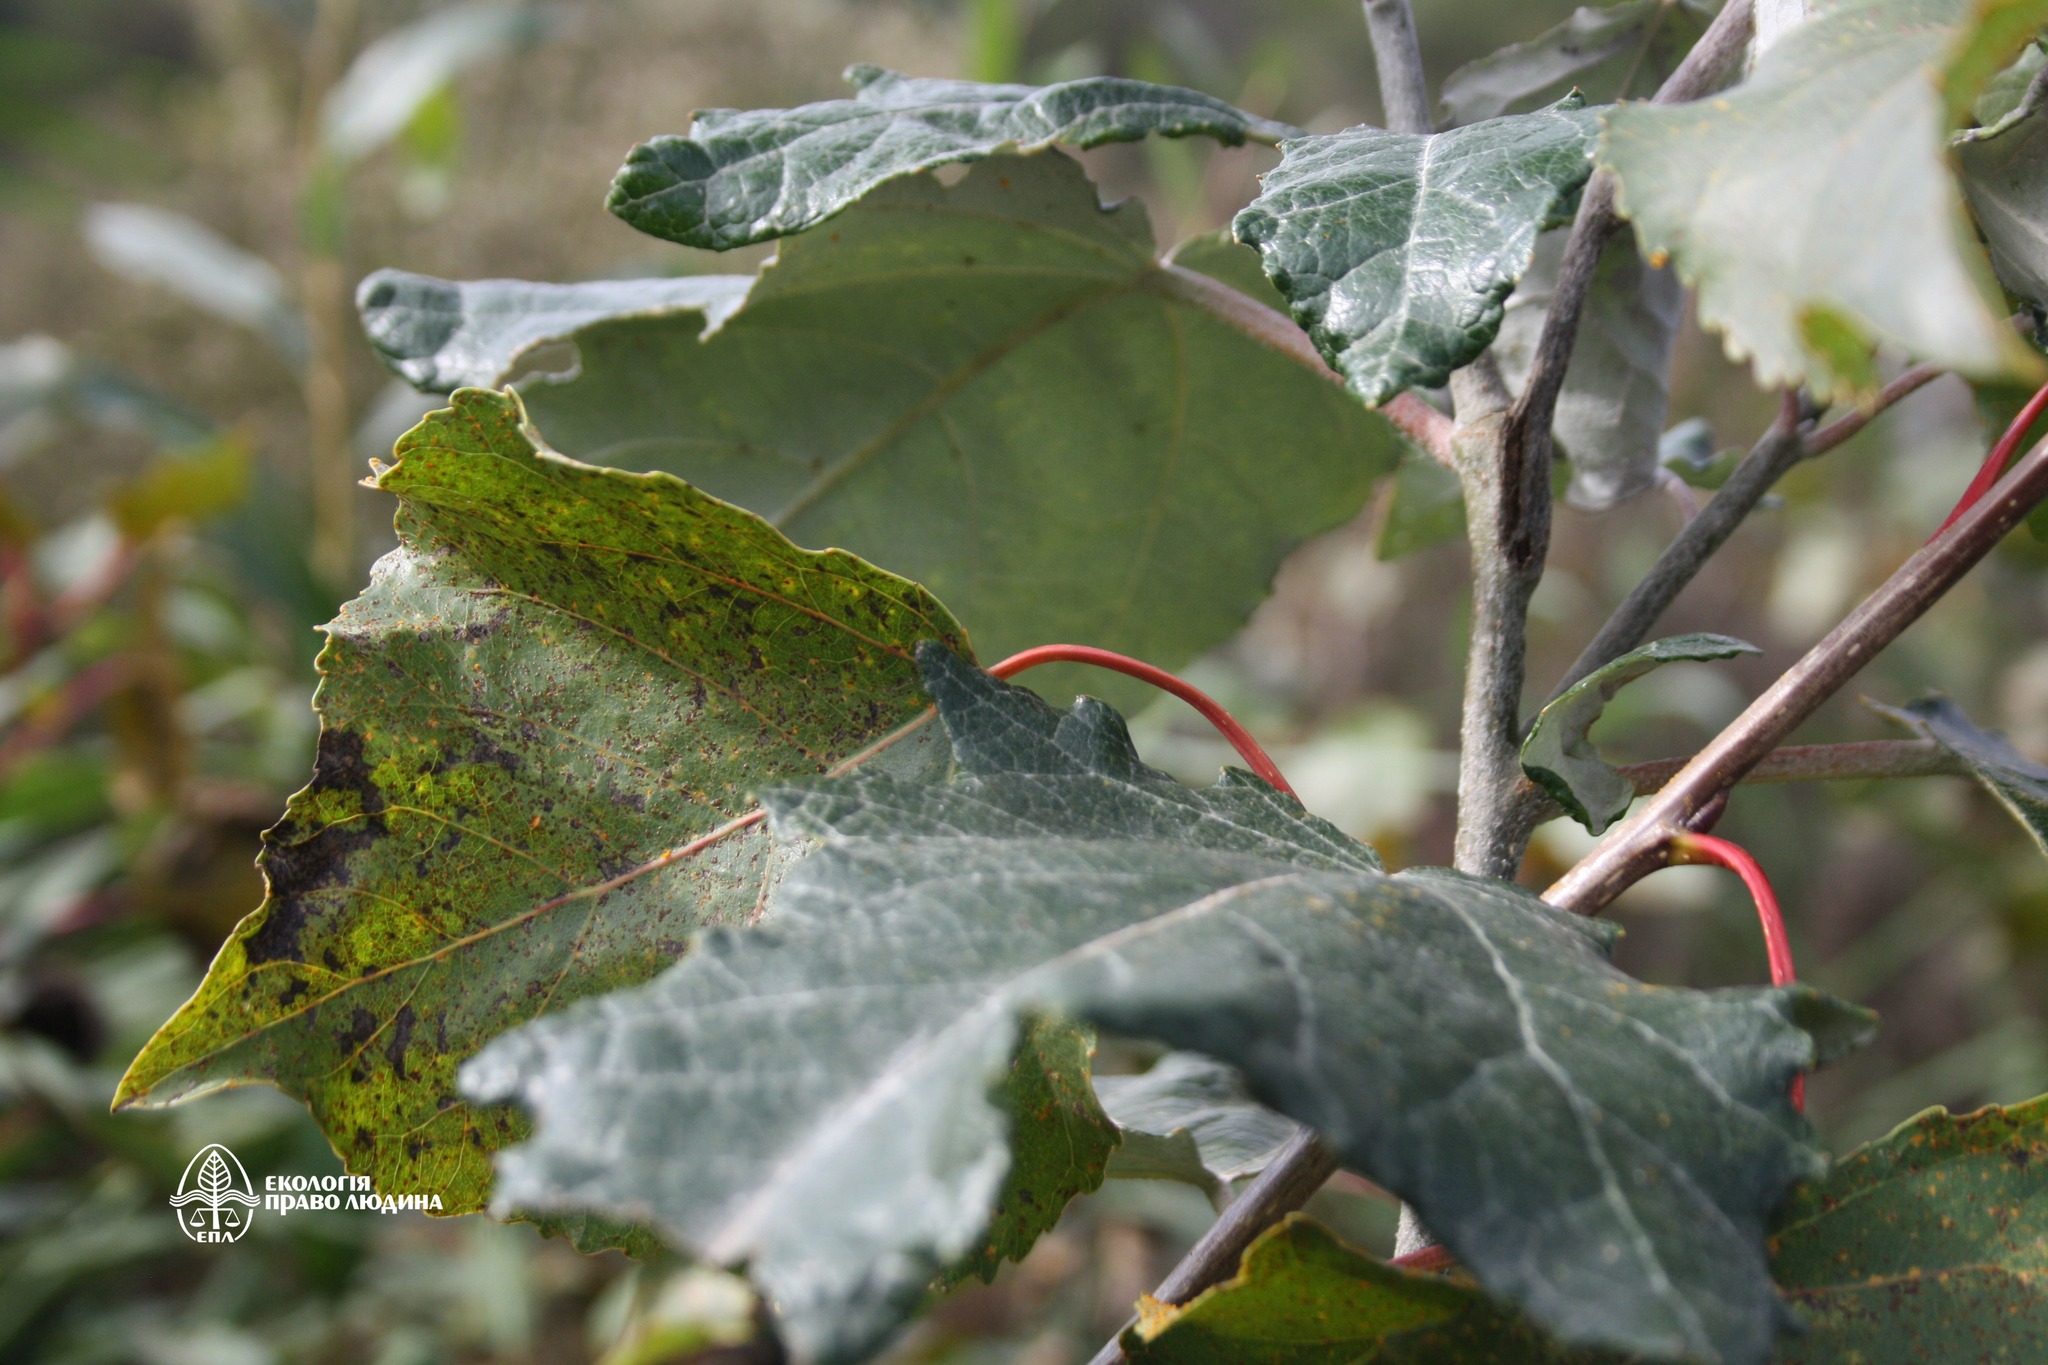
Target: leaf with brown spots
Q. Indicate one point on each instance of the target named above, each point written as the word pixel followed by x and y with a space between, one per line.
pixel 562 673
pixel 1926 1247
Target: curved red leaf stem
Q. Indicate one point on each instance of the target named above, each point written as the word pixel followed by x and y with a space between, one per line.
pixel 1717 852
pixel 1212 710
pixel 2001 455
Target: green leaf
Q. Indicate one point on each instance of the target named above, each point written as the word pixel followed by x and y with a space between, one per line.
pixel 1758 196
pixel 1191 1120
pixel 1302 1297
pixel 884 388
pixel 1427 509
pixel 751 175
pixel 1396 251
pixel 1617 389
pixel 169 250
pixel 1620 52
pixel 1226 260
pixel 1925 1247
pixel 2016 781
pixel 560 673
pixel 2005 177
pixel 814 1098
pixel 392 78
pixel 443 336
pixel 1559 756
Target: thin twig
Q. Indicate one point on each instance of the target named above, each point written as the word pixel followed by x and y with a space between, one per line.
pixel 1914 587
pixel 1296 1173
pixel 1875 758
pixel 1775 452
pixel 1778 450
pixel 1397 57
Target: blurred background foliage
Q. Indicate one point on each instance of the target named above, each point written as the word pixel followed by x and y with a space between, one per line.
pixel 178 512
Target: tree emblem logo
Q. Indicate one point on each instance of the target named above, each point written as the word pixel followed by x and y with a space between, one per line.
pixel 215 1200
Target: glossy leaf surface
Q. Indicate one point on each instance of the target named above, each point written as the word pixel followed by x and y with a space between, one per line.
pixel 1760 197
pixel 746 176
pixel 814 1099
pixel 442 335
pixel 561 673
pixel 1396 251
pixel 1559 756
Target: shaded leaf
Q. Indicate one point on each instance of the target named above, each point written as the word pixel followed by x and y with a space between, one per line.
pixel 2016 781
pixel 1226 260
pixel 1061 1143
pixel 1617 389
pixel 1191 1120
pixel 814 1099
pixel 2005 176
pixel 1559 756
pixel 157 246
pixel 394 76
pixel 1751 194
pixel 1397 250
pixel 1618 52
pixel 1302 1297
pixel 885 390
pixel 746 176
pixel 561 673
pixel 1926 1247
pixel 441 335
pixel 1428 508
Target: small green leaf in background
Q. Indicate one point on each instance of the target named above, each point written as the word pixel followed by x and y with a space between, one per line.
pixel 1926 1247
pixel 822 1099
pixel 182 485
pixel 561 673
pixel 442 335
pixel 1302 1297
pixel 1396 251
pixel 1617 389
pixel 1619 52
pixel 992 388
pixel 1189 1119
pixel 391 79
pixel 1559 755
pixel 746 176
pixel 2016 781
pixel 1763 196
pixel 171 251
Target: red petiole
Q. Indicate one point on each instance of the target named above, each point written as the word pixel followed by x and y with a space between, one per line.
pixel 2001 455
pixel 1707 849
pixel 1212 710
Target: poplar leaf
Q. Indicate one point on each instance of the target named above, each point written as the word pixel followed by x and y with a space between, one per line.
pixel 2014 780
pixel 1559 756
pixel 746 176
pixel 1396 250
pixel 1929 1245
pixel 819 1099
pixel 1767 197
pixel 560 674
